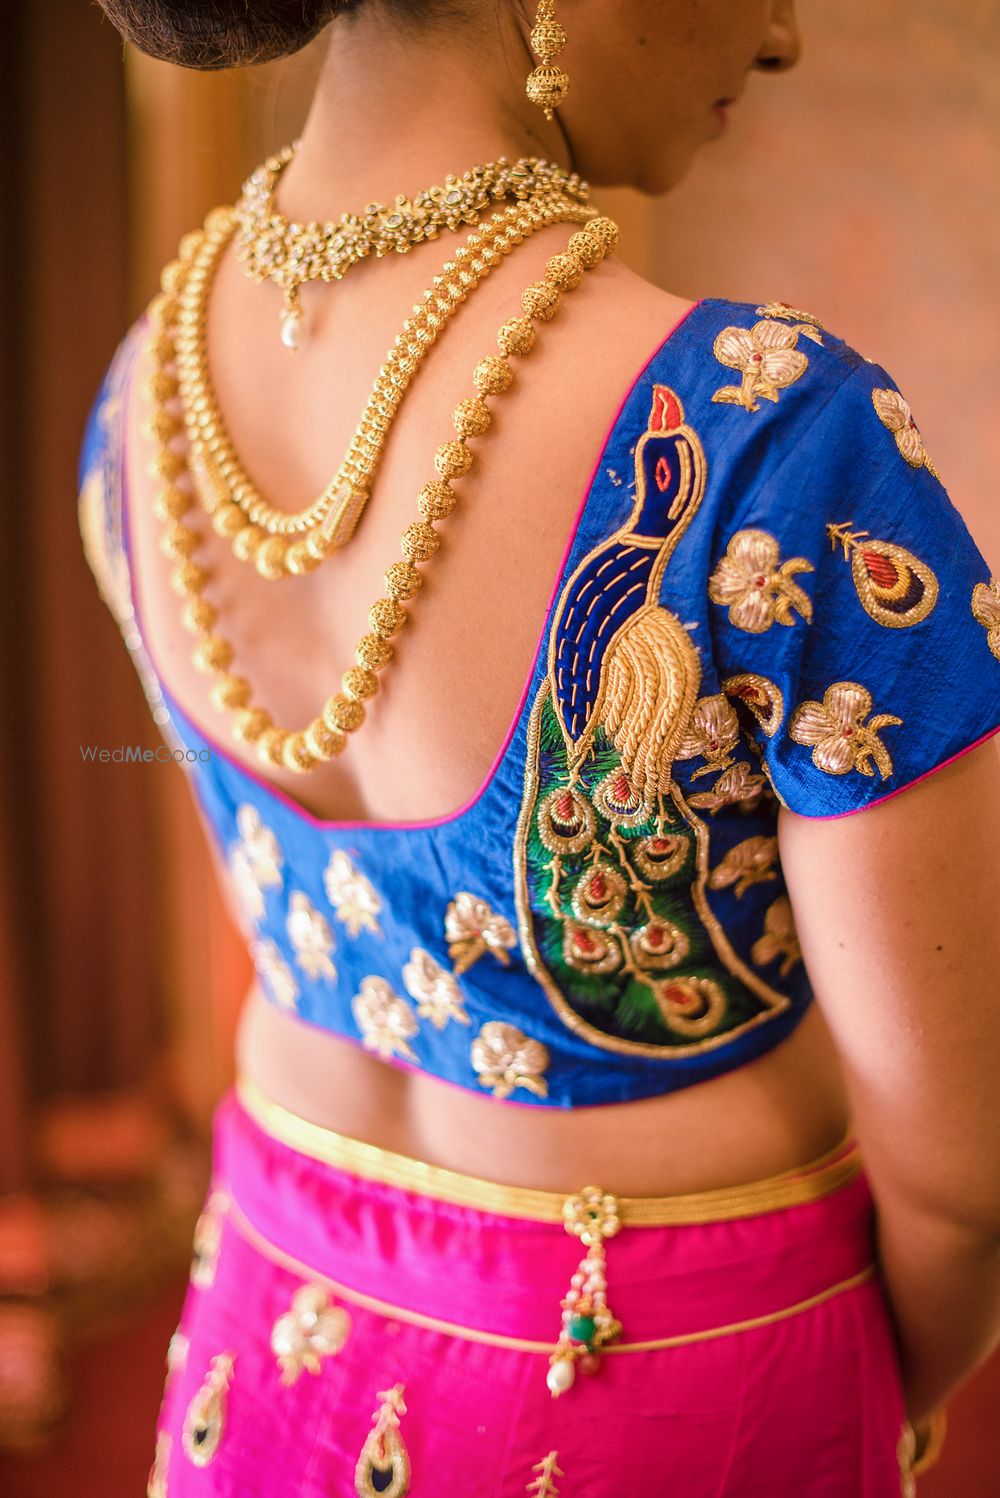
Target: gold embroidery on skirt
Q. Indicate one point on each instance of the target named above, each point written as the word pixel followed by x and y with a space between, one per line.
pixel 156 1486
pixel 207 1241
pixel 312 1330
pixel 841 740
pixel 384 1456
pixel 544 1485
pixel 895 587
pixel 986 608
pixel 205 1420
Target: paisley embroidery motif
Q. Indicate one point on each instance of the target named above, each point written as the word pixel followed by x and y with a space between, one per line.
pixel 472 928
pixel 757 589
pixel 780 938
pixel 766 356
pixel 313 1329
pixel 896 588
pixel 177 1352
pixel 894 413
pixel 782 310
pixel 737 784
pixel 544 1485
pixel 713 731
pixel 751 862
pixel 438 996
pixel 383 1469
pixel 207 1241
pixel 834 727
pixel 156 1485
pixel 353 897
pixel 385 1020
pixel 762 696
pixel 986 608
pixel 611 862
pixel 504 1058
pixel 205 1420
pixel 255 862
pixel 310 935
pixel 276 975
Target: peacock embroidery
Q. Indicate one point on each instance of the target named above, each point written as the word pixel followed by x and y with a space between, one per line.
pixel 611 860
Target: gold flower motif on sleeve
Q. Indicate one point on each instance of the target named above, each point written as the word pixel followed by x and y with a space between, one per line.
pixel 780 938
pixel 736 784
pixel 438 996
pixel 808 324
pixel 762 696
pixel 386 1021
pixel 277 975
pixel 756 585
pixel 986 608
pixel 840 739
pixel 895 414
pixel 353 897
pixel 310 935
pixel 313 1329
pixel 767 358
pixel 713 730
pixel 750 862
pixel 505 1058
pixel 472 928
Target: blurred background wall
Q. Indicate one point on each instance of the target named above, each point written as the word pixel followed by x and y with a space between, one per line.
pixel 864 187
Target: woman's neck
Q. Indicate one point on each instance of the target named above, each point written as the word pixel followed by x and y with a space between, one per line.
pixel 398 107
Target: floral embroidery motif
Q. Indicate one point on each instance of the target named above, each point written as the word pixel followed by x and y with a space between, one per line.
pixel 713 731
pixel 757 589
pixel 894 413
pixel 385 1020
pixel 207 1241
pixel 834 727
pixel 544 1485
pixel 255 862
pixel 472 928
pixel 750 862
pixel 986 608
pixel 766 356
pixel 383 1469
pixel 691 1006
pixel 310 935
pixel 277 976
pixel 780 938
pixel 793 314
pixel 156 1485
pixel 896 588
pixel 312 1330
pixel 438 996
pixel 505 1058
pixel 205 1420
pixel 762 696
pixel 353 897
pixel 737 784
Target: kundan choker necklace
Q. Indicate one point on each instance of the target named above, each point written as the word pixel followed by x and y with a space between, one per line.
pixel 271 248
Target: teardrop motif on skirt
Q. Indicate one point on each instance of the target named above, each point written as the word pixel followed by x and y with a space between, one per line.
pixel 383 1469
pixel 895 587
pixel 205 1420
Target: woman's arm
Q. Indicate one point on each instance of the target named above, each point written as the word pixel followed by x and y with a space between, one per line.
pixel 898 914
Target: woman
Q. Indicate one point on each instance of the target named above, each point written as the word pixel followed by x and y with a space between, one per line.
pixel 630 1249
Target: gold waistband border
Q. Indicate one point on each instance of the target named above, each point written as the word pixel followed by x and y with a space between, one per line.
pixel 391 1312
pixel 791 1188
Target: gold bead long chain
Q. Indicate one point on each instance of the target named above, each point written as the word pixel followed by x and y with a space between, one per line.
pixel 344 712
pixel 277 542
pixel 270 247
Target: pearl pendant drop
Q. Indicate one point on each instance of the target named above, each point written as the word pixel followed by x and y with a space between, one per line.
pixel 292 328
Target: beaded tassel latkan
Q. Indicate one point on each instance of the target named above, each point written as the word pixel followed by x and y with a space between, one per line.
pixel 587 1322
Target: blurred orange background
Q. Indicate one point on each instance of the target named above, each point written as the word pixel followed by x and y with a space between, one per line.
pixel 864 187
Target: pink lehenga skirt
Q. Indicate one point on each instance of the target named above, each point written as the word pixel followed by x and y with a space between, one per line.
pixel 362 1323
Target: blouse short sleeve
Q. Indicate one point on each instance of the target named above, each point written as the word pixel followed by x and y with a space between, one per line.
pixel 855 621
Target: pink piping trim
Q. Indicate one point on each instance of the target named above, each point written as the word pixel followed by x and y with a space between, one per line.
pixel 835 815
pixel 454 816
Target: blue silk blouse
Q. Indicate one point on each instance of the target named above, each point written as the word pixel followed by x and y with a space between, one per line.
pixel 767 600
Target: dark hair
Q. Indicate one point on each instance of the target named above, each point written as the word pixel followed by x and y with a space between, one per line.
pixel 213 34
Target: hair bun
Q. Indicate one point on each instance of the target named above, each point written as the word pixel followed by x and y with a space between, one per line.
pixel 213 34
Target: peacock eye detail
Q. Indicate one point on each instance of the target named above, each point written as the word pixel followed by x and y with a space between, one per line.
pixel 205 1420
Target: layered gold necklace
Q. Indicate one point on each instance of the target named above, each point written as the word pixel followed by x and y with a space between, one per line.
pixel 180 395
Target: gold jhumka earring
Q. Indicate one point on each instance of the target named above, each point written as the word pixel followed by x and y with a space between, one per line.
pixel 547 85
